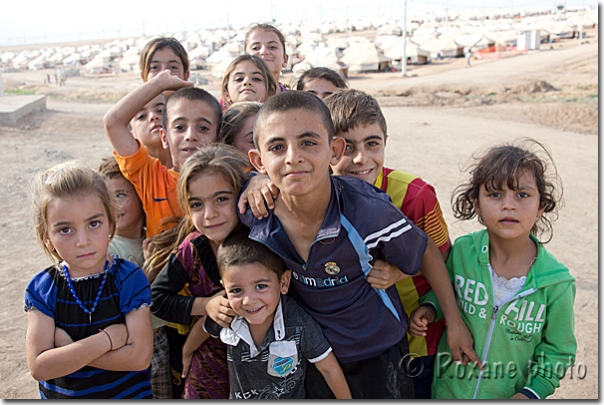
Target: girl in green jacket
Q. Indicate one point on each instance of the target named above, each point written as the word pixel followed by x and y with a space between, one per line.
pixel 515 297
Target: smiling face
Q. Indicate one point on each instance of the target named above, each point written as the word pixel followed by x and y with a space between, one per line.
pixel 212 206
pixel 129 216
pixel 267 45
pixel 79 230
pixel 163 59
pixel 191 124
pixel 510 214
pixel 146 124
pixel 364 155
pixel 320 87
pixel 295 152
pixel 246 83
pixel 254 292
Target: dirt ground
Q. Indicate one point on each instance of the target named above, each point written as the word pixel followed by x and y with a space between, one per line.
pixel 437 117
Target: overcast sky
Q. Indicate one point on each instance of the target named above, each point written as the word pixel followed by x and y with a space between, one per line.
pixel 36 21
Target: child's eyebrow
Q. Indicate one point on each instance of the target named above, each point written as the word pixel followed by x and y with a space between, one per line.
pixel 170 61
pixel 216 194
pixel 90 218
pixel 255 72
pixel 368 138
pixel 196 119
pixel 269 42
pixel 307 134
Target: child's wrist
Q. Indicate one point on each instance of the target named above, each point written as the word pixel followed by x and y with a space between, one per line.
pixel 108 337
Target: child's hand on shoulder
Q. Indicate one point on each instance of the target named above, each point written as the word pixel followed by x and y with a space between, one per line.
pixel 419 320
pixel 118 334
pixel 260 194
pixel 219 310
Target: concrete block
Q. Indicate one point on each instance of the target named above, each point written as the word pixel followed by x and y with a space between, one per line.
pixel 14 107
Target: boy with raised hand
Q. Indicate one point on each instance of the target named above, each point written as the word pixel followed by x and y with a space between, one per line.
pixel 322 227
pixel 191 119
pixel 272 338
pixel 358 119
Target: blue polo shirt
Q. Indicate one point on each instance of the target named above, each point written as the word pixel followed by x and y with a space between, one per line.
pixel 361 225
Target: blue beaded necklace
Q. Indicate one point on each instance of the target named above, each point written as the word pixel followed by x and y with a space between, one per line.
pixel 98 295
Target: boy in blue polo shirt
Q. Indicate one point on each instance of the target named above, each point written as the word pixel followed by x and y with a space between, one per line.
pixel 329 231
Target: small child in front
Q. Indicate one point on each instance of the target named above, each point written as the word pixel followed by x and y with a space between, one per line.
pixel 322 228
pixel 89 330
pixel 517 299
pixel 271 338
pixel 127 243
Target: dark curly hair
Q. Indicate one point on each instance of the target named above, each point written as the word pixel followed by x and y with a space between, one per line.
pixel 505 164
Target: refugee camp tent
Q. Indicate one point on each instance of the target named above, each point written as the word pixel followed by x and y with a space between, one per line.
pixel 443 46
pixel 365 57
pixel 414 54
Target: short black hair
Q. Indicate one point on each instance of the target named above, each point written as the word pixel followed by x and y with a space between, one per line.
pixel 238 250
pixel 294 100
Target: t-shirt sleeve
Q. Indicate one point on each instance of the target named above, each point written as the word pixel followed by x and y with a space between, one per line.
pixel 399 240
pixel 134 289
pixel 210 326
pixel 313 344
pixel 41 294
pixel 168 304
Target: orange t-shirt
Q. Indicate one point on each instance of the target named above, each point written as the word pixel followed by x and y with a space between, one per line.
pixel 155 185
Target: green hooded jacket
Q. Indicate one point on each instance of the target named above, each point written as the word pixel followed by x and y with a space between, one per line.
pixel 527 343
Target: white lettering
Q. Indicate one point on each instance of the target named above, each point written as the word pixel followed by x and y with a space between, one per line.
pixel 469 290
pixel 528 314
pixel 459 281
pixel 540 317
pixel 481 288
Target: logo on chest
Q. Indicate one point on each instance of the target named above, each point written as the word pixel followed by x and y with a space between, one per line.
pixel 331 268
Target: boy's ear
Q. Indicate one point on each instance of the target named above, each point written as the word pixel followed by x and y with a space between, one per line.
pixel 338 146
pixel 256 160
pixel 285 279
pixel 164 138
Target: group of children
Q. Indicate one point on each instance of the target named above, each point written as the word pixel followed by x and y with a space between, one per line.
pixel 257 247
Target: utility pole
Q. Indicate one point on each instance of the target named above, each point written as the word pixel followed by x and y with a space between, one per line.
pixel 404 58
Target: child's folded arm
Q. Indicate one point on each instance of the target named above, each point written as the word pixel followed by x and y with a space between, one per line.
pixel 47 361
pixel 136 354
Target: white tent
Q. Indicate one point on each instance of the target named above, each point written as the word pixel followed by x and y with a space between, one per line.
pixel 502 37
pixel 365 57
pixel 413 52
pixel 219 68
pixel 444 46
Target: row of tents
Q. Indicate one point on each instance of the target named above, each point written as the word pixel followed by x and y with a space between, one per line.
pixel 353 49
